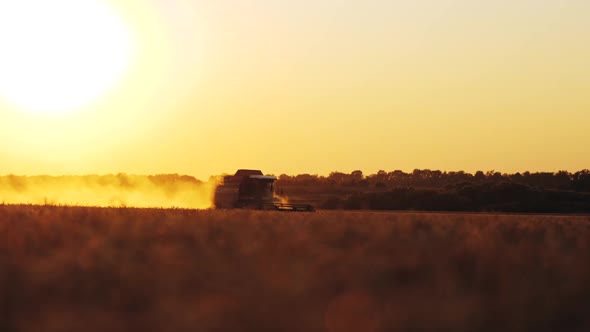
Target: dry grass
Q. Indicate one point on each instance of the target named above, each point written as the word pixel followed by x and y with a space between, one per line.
pixel 87 269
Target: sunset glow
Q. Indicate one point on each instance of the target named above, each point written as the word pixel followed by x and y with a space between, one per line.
pixel 58 56
pixel 206 87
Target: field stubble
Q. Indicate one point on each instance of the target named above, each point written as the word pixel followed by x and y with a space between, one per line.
pixel 108 269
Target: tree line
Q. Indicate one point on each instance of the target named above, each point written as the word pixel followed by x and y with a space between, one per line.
pixel 425 178
pixel 428 190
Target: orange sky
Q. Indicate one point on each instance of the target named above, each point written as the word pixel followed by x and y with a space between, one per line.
pixel 312 87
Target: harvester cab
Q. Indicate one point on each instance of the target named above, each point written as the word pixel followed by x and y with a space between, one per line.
pixel 251 189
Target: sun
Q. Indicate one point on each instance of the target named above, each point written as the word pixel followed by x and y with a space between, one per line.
pixel 60 55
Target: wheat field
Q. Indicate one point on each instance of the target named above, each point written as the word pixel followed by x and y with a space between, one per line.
pixel 124 269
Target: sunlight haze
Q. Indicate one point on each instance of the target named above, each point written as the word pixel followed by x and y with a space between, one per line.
pixel 57 56
pixel 205 87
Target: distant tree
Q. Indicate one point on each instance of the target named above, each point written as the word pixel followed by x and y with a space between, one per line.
pixel 337 177
pixel 306 178
pixel 479 176
pixel 417 174
pixel 284 177
pixel 581 180
pixel 381 176
pixel 397 175
pixel 563 179
pixel 356 175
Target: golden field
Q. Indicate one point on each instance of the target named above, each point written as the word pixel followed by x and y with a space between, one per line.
pixel 124 269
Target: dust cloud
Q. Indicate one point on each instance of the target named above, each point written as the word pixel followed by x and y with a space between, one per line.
pixel 120 190
pixel 282 199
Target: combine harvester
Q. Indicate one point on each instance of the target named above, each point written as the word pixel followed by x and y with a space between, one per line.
pixel 250 189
